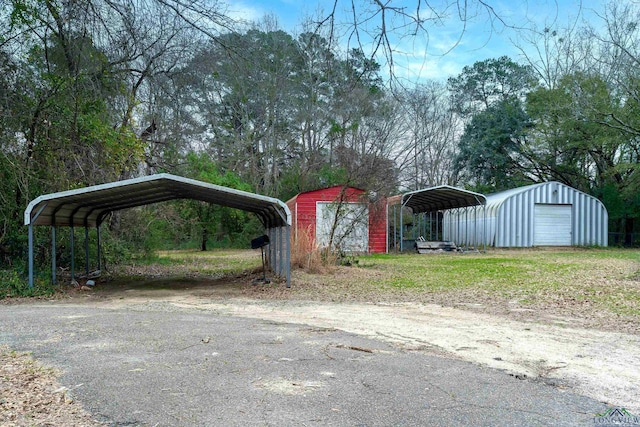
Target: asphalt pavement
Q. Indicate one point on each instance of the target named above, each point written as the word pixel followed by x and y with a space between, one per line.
pixel 156 364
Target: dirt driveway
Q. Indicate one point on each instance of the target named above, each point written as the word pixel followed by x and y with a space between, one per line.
pixel 598 364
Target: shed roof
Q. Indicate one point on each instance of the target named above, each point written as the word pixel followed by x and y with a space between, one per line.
pixel 501 196
pixel 495 200
pixel 441 198
pixel 90 205
pixel 329 192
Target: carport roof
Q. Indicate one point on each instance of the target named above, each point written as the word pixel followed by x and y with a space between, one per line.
pixel 90 205
pixel 441 198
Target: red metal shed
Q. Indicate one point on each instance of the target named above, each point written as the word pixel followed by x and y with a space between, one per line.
pixel 360 226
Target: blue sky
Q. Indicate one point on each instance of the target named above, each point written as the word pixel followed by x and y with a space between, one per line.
pixel 447 49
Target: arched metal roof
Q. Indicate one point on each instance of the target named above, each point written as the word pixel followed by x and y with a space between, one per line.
pixel 89 206
pixel 441 198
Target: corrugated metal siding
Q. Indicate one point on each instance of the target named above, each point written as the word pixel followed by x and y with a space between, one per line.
pixel 378 227
pixel 510 217
pixel 466 226
pixel 303 208
pixel 305 215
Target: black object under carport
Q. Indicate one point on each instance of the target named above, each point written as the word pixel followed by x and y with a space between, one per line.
pixel 261 242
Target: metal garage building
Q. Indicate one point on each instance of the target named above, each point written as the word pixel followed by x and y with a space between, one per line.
pixel 546 214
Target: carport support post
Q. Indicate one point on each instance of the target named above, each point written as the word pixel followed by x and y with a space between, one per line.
pixel 416 227
pixel 281 251
pixel 287 252
pixel 86 245
pixel 276 265
pixel 484 227
pixel 283 246
pixel 283 232
pixel 53 250
pixel 475 228
pixel 99 243
pixel 272 253
pixel 30 255
pixel 73 256
pixel 401 225
pixel 431 229
pixel 466 227
pixel 275 245
pixel 269 251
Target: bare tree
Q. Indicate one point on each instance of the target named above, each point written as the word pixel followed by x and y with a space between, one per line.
pixel 376 27
pixel 343 220
pixel 555 51
pixel 428 151
pixel 618 59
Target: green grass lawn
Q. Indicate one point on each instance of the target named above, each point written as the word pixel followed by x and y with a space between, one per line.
pixel 223 261
pixel 503 271
pixel 600 285
pixel 579 279
pixel 605 279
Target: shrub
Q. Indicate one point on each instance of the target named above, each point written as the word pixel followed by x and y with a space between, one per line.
pixel 12 284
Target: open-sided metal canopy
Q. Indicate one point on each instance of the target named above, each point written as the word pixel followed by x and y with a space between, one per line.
pixel 441 198
pixel 89 206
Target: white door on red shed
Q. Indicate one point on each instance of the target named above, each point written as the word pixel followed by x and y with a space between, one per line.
pixel 552 225
pixel 350 230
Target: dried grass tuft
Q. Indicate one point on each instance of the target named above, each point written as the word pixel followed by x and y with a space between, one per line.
pixel 308 256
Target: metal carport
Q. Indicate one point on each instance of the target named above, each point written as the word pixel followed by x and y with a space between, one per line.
pixel 90 206
pixel 440 198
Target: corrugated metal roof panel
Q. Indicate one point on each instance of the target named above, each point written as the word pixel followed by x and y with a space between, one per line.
pixel 441 198
pixel 90 205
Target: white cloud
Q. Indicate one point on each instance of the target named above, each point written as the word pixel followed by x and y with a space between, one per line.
pixel 416 69
pixel 242 11
pixel 440 53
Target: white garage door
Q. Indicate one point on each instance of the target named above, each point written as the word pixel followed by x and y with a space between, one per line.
pixel 351 229
pixel 552 225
